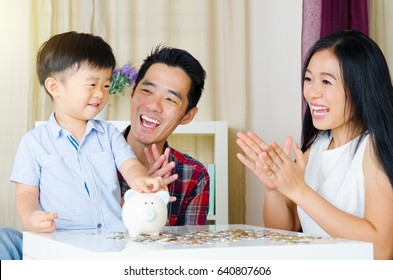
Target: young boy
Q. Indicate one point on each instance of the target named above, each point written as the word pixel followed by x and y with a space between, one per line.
pixel 65 170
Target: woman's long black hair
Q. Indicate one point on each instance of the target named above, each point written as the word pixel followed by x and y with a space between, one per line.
pixel 368 87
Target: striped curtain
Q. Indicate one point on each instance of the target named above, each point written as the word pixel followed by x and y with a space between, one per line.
pixel 311 29
pixel 322 17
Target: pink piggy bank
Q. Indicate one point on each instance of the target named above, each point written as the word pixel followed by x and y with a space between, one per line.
pixel 145 213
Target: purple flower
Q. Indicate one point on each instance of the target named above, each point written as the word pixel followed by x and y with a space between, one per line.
pixel 122 79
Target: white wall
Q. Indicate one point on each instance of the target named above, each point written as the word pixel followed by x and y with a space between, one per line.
pixel 274 87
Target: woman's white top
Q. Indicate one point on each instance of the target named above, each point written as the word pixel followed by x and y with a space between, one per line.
pixel 336 175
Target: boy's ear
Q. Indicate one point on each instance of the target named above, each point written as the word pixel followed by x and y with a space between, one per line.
pixel 52 86
pixel 189 116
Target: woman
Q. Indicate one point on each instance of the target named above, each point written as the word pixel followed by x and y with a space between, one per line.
pixel 341 181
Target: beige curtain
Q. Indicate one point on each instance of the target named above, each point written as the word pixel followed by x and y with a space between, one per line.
pixel 213 31
pixel 16 79
pixel 381 22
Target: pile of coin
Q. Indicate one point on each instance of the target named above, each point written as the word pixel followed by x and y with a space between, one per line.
pixel 216 236
pixel 288 238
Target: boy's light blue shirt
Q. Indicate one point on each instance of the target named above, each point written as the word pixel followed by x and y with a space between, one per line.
pixel 78 181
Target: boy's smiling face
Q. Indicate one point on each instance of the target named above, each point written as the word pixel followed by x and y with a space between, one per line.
pixel 80 94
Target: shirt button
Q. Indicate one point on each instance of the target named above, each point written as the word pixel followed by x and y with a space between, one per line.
pixel 99 225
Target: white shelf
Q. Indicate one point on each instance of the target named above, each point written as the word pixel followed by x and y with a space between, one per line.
pixel 219 129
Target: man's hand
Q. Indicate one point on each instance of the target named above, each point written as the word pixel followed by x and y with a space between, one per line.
pixel 159 165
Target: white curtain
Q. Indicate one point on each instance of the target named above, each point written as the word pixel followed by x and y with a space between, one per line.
pixel 381 22
pixel 213 31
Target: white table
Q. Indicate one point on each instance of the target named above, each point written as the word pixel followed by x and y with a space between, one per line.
pixel 93 245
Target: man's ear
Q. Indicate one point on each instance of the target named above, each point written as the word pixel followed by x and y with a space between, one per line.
pixel 52 86
pixel 133 87
pixel 189 116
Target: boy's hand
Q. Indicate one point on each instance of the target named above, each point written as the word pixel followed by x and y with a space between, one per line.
pixel 42 221
pixel 138 178
pixel 148 184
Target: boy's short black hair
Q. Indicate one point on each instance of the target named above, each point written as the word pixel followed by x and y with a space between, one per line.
pixel 69 49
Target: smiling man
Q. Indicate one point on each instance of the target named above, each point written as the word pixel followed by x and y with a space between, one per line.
pixel 165 94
